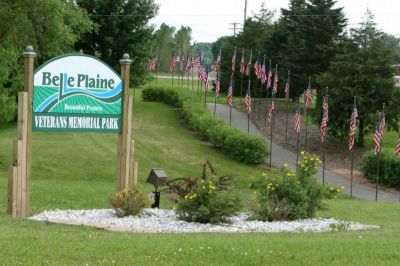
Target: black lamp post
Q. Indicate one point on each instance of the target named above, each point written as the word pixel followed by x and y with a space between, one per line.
pixel 157 177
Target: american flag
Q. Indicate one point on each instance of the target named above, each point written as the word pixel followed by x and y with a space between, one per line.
pixel 152 64
pixel 308 96
pixel 217 61
pixel 203 75
pixel 269 81
pixel 207 82
pixel 247 100
pixel 275 88
pixel 263 73
pixel 172 64
pixel 242 64
pixel 257 68
pixel 325 119
pixel 234 60
pixel 380 127
pixel 297 120
pixel 196 62
pixel 397 151
pixel 217 85
pixel 271 109
pixel 248 68
pixel 229 98
pixel 353 124
pixel 188 67
pixel 287 88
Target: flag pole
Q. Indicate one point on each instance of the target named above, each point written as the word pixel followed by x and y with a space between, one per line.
pixel 191 67
pixel 305 111
pixel 155 67
pixel 379 157
pixel 205 91
pixel 287 109
pixel 261 87
pixel 248 114
pixel 297 141
pixel 351 174
pixel 182 70
pixel 241 81
pixel 271 137
pixel 352 159
pixel 324 149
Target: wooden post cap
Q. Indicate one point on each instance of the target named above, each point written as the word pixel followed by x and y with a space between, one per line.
pixel 125 60
pixel 29 52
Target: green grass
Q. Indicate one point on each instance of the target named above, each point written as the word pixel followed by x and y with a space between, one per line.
pixel 78 171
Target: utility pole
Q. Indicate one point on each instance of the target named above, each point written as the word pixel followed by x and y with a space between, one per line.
pixel 235 27
pixel 245 12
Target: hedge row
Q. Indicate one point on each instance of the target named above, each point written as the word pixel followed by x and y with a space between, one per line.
pixel 233 142
pixel 389 173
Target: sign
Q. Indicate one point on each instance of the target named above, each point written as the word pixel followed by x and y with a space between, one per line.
pixel 76 92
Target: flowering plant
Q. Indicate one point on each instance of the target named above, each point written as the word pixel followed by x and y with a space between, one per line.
pixel 288 195
pixel 210 199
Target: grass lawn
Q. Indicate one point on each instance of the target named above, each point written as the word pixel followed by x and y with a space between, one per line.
pixel 77 171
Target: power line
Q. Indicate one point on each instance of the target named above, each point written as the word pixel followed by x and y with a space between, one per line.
pixel 234 28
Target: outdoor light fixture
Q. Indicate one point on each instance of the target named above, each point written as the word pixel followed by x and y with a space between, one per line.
pixel 157 177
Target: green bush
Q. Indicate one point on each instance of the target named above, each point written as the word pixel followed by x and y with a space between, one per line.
pixel 204 199
pixel 389 173
pixel 7 108
pixel 287 195
pixel 130 201
pixel 233 142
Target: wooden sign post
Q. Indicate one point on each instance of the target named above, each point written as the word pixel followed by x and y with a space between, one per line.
pixel 126 167
pixel 45 105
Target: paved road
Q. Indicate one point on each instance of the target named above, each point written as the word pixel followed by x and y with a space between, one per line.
pixel 281 156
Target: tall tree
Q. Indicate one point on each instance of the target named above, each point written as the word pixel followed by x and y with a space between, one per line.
pixel 314 29
pixel 122 27
pixel 51 27
pixel 362 68
pixel 164 42
pixel 182 38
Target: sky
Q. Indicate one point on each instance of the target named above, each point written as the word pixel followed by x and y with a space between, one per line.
pixel 210 19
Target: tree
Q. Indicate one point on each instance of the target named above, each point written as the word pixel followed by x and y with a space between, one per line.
pixel 51 27
pixel 122 27
pixel 182 39
pixel 314 29
pixel 362 68
pixel 164 42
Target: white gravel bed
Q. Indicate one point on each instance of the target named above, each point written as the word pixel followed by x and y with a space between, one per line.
pixel 166 221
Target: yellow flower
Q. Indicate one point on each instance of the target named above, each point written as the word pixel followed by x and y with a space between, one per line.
pixel 302 152
pixel 264 174
pixel 285 165
pixel 338 190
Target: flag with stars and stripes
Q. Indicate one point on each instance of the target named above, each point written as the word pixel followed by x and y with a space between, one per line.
pixel 242 64
pixel 271 109
pixel 380 127
pixel 248 68
pixel 397 151
pixel 308 96
pixel 257 68
pixel 263 73
pixel 325 118
pixel 297 120
pixel 202 73
pixel 188 67
pixel 269 81
pixel 196 62
pixel 172 64
pixel 287 89
pixel 229 98
pixel 207 81
pixel 247 101
pixel 217 85
pixel 353 124
pixel 217 61
pixel 234 60
pixel 275 87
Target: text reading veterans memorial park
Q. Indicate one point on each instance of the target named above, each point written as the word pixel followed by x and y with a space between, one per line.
pixel 76 92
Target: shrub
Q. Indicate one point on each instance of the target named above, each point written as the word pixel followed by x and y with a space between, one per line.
pixel 233 142
pixel 287 195
pixel 7 108
pixel 130 201
pixel 389 172
pixel 205 199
